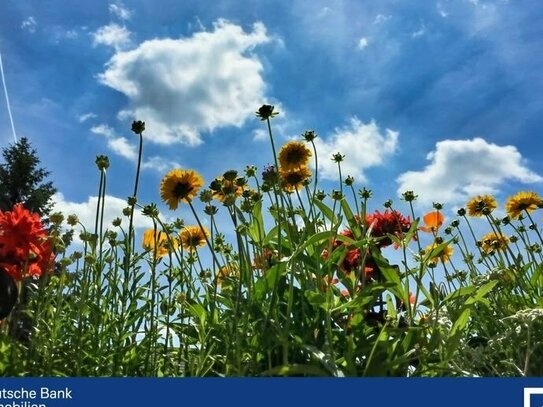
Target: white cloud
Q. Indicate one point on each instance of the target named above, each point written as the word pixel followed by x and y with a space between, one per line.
pixel 420 32
pixel 260 135
pixel 119 145
pixel 159 164
pixel 362 43
pixel 363 145
pixel 119 10
pixel 87 116
pixel 86 211
pixel 324 12
pixel 112 35
pixel 122 147
pixel 183 87
pixel 441 10
pixel 381 18
pixel 104 130
pixel 29 24
pixel 459 169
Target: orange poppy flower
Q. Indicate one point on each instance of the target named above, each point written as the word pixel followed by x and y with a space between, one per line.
pixel 432 221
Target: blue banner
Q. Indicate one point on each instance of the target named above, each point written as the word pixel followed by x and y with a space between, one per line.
pixel 254 392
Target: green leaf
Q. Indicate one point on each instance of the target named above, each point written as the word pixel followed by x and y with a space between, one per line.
pixel 317 299
pixel 390 273
pixel 353 224
pixel 267 282
pixel 326 211
pixel 198 311
pixel 461 321
pixel 256 229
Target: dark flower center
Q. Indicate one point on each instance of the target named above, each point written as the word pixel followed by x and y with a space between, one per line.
pixel 294 156
pixel 182 189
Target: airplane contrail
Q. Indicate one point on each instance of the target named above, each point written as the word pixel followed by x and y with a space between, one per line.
pixel 7 100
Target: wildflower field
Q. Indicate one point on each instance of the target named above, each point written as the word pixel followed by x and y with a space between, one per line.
pixel 305 282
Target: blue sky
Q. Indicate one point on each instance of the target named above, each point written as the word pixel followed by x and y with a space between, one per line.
pixel 441 97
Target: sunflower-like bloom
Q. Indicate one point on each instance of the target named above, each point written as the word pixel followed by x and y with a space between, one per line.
pixel 480 204
pixel 193 237
pixel 522 201
pixel 492 242
pixel 230 270
pixel 227 188
pixel 443 256
pixel 159 241
pixel 180 186
pixel 432 221
pixel 294 180
pixel 294 155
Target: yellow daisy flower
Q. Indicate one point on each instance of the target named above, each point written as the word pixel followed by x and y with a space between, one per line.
pixel 522 201
pixel 154 239
pixel 180 185
pixel 227 188
pixel 444 256
pixel 293 180
pixel 294 155
pixel 230 270
pixel 477 205
pixel 193 237
pixel 492 242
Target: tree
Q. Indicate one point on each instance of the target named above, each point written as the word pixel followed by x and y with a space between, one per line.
pixel 22 180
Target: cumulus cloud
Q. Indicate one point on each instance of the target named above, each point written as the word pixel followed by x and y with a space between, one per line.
pixel 29 24
pixel 122 146
pixel 362 43
pixel 159 164
pixel 112 35
pixel 120 11
pixel 86 116
pixel 381 18
pixel 119 145
pixel 86 211
pixel 459 169
pixel 364 146
pixel 183 87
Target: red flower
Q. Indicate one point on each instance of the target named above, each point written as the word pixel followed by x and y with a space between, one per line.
pixel 353 257
pixel 21 232
pixel 24 248
pixel 387 223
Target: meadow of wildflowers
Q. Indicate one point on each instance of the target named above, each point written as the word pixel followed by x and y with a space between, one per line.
pixel 305 282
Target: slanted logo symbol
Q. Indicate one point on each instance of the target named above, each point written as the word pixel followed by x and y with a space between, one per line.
pixel 533 397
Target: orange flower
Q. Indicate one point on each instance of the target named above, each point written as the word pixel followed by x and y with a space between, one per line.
pixel 432 221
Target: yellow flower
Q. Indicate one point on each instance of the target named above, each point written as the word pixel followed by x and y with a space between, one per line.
pixel 227 188
pixel 443 256
pixel 294 155
pixel 180 185
pixel 293 180
pixel 492 242
pixel 523 200
pixel 230 270
pixel 154 239
pixel 193 237
pixel 477 205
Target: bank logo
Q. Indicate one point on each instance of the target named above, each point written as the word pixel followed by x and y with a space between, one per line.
pixel 533 397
